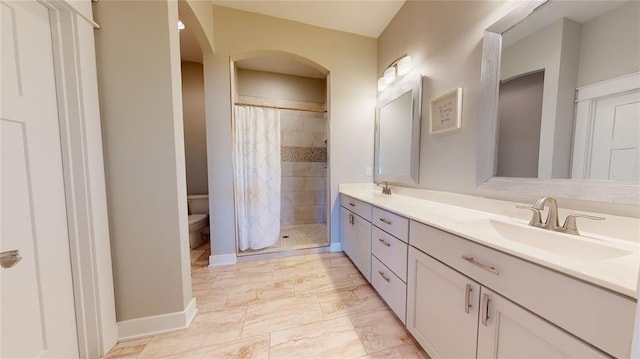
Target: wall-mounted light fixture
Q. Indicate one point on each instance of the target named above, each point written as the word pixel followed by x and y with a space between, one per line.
pixel 399 67
pixel 180 25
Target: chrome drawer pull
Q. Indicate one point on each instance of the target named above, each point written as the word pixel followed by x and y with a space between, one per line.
pixel 388 279
pixel 386 221
pixel 486 267
pixel 467 294
pixel 485 308
pixel 384 242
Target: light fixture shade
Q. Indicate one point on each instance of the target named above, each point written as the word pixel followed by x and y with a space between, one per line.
pixel 389 75
pixel 382 84
pixel 404 65
pixel 180 25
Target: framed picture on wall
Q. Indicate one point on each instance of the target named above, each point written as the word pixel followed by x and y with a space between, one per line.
pixel 446 112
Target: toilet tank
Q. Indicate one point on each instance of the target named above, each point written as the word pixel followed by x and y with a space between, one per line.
pixel 198 203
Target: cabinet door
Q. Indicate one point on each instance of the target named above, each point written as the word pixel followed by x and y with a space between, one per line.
pixel 348 234
pixel 362 235
pixel 509 331
pixel 442 308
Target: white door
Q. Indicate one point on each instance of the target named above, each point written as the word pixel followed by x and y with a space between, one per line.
pixel 442 308
pixel 615 151
pixel 36 297
pixel 509 331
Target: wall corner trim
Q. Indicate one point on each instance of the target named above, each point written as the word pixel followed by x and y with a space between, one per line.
pixel 222 259
pixel 335 247
pixel 157 324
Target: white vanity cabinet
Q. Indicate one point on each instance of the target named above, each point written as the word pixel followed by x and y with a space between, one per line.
pixel 389 259
pixel 442 308
pixel 454 305
pixel 507 330
pixel 452 316
pixel 356 233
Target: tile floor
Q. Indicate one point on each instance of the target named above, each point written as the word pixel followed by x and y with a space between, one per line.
pixel 307 306
pixel 299 236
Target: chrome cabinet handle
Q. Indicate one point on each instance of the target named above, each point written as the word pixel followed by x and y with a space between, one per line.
pixel 486 267
pixel 387 278
pixel 384 242
pixel 485 308
pixel 350 218
pixel 386 221
pixel 10 258
pixel 467 294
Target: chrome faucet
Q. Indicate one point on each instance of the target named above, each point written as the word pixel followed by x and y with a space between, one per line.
pixel 552 216
pixel 551 222
pixel 385 188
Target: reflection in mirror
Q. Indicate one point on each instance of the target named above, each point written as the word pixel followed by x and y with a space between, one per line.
pixel 551 60
pixel 595 73
pixel 397 145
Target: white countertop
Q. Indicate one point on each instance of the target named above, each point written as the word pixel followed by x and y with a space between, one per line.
pixel 619 274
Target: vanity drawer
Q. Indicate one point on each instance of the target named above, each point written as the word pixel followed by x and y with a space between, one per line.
pixel 391 251
pixel 596 315
pixel 360 208
pixel 391 223
pixel 390 288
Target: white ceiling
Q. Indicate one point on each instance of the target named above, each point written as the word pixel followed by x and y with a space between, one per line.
pixel 362 17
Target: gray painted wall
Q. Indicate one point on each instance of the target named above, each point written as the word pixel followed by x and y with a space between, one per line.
pixel 445 40
pixel 610 45
pixel 141 114
pixel 195 134
pixel 519 113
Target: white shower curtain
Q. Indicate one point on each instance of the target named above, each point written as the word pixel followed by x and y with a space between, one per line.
pixel 257 155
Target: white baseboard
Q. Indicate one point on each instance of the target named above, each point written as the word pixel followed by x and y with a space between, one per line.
pixel 157 324
pixel 222 259
pixel 335 247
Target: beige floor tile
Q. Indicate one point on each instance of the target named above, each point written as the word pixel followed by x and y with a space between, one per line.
pixel 253 348
pixel 243 295
pixel 349 300
pixel 207 329
pixel 380 330
pixel 334 338
pixel 315 305
pixel 281 314
pixel 405 351
pixel 129 349
pixel 311 282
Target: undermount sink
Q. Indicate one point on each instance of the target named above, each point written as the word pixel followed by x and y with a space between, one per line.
pixel 577 247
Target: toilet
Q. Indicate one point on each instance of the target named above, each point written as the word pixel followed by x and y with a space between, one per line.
pixel 198 219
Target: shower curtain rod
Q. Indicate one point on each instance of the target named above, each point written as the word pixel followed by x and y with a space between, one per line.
pixel 278 107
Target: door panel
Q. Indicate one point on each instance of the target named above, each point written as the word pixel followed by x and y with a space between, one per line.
pixel 513 332
pixel 436 300
pixel 347 231
pixel 36 296
pixel 615 152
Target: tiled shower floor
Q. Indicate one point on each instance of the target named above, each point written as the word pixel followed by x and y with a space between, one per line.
pixel 301 236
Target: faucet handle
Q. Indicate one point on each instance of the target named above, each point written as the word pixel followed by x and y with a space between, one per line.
pixel 536 219
pixel 570 222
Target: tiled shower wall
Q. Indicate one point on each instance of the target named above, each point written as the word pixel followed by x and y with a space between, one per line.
pixel 304 163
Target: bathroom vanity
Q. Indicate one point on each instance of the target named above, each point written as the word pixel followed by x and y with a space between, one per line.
pixel 470 280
